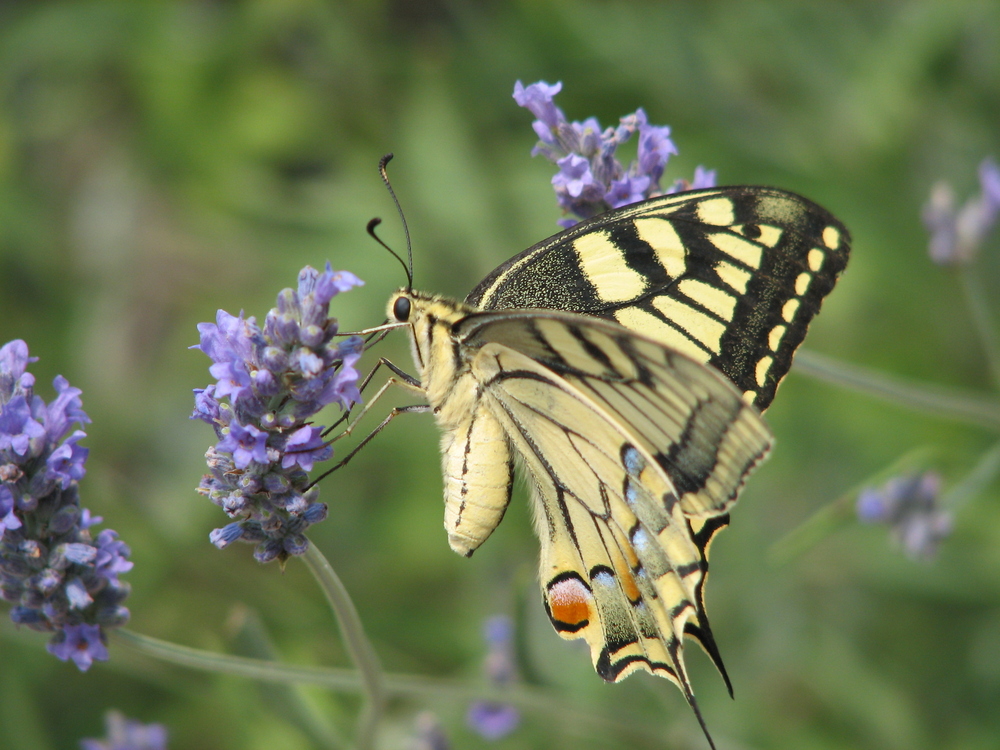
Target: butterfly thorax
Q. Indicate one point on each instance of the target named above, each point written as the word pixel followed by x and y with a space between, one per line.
pixel 443 362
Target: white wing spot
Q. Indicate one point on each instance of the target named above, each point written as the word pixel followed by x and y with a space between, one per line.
pixel 762 368
pixel 643 543
pixel 710 297
pixel 735 277
pixel 774 338
pixel 789 310
pixel 816 258
pixel 831 237
pixel 604 266
pixel 666 243
pixel 717 211
pixel 769 235
pixel 635 464
pixel 749 396
pixel 802 283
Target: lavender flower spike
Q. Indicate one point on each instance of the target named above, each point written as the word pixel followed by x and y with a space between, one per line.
pixel 58 578
pixel 591 179
pixel 271 380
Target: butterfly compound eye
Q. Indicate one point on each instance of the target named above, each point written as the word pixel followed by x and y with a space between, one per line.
pixel 401 309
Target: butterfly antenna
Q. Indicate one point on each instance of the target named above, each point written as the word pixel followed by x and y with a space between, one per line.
pixel 406 230
pixel 371 231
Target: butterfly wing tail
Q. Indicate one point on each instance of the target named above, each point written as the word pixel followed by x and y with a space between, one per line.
pixel 703 531
pixel 615 605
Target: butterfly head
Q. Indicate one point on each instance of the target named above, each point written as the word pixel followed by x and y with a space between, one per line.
pixel 400 306
pixel 416 309
pixel 430 319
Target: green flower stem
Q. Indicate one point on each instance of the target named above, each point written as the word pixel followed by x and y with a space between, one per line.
pixel 421 688
pixel 841 512
pixel 356 642
pixel 961 406
pixel 984 472
pixel 982 317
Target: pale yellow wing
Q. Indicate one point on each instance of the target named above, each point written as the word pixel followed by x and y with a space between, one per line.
pixel 603 427
pixel 681 415
pixel 730 275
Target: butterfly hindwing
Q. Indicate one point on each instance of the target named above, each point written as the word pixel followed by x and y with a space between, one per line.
pixel 686 418
pixel 618 566
pixel 731 276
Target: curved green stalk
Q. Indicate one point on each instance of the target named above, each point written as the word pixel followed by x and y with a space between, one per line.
pixel 961 406
pixel 984 472
pixel 394 685
pixel 356 643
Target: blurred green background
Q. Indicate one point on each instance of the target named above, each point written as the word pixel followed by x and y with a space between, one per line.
pixel 160 160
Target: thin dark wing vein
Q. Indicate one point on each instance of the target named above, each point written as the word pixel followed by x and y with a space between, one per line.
pixel 636 412
pixel 568 434
pixel 557 485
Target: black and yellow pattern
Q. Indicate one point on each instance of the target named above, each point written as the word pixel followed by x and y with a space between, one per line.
pixel 731 276
pixel 585 357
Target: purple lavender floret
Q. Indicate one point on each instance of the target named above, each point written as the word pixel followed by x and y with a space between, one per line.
pixel 591 179
pixel 271 380
pixel 59 579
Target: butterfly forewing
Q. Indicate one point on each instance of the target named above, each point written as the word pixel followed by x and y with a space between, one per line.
pixel 731 276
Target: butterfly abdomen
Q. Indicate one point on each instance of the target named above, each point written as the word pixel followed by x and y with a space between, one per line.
pixel 475 459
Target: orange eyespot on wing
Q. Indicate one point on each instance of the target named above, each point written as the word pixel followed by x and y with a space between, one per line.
pixel 570 603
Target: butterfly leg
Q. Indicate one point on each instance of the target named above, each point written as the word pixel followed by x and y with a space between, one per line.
pixel 412 409
pixel 407 381
pixel 403 380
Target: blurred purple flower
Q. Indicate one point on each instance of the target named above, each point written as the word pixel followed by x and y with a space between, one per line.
pixel 58 579
pixel 956 234
pixel 494 720
pixel 112 556
pixel 84 644
pixel 908 506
